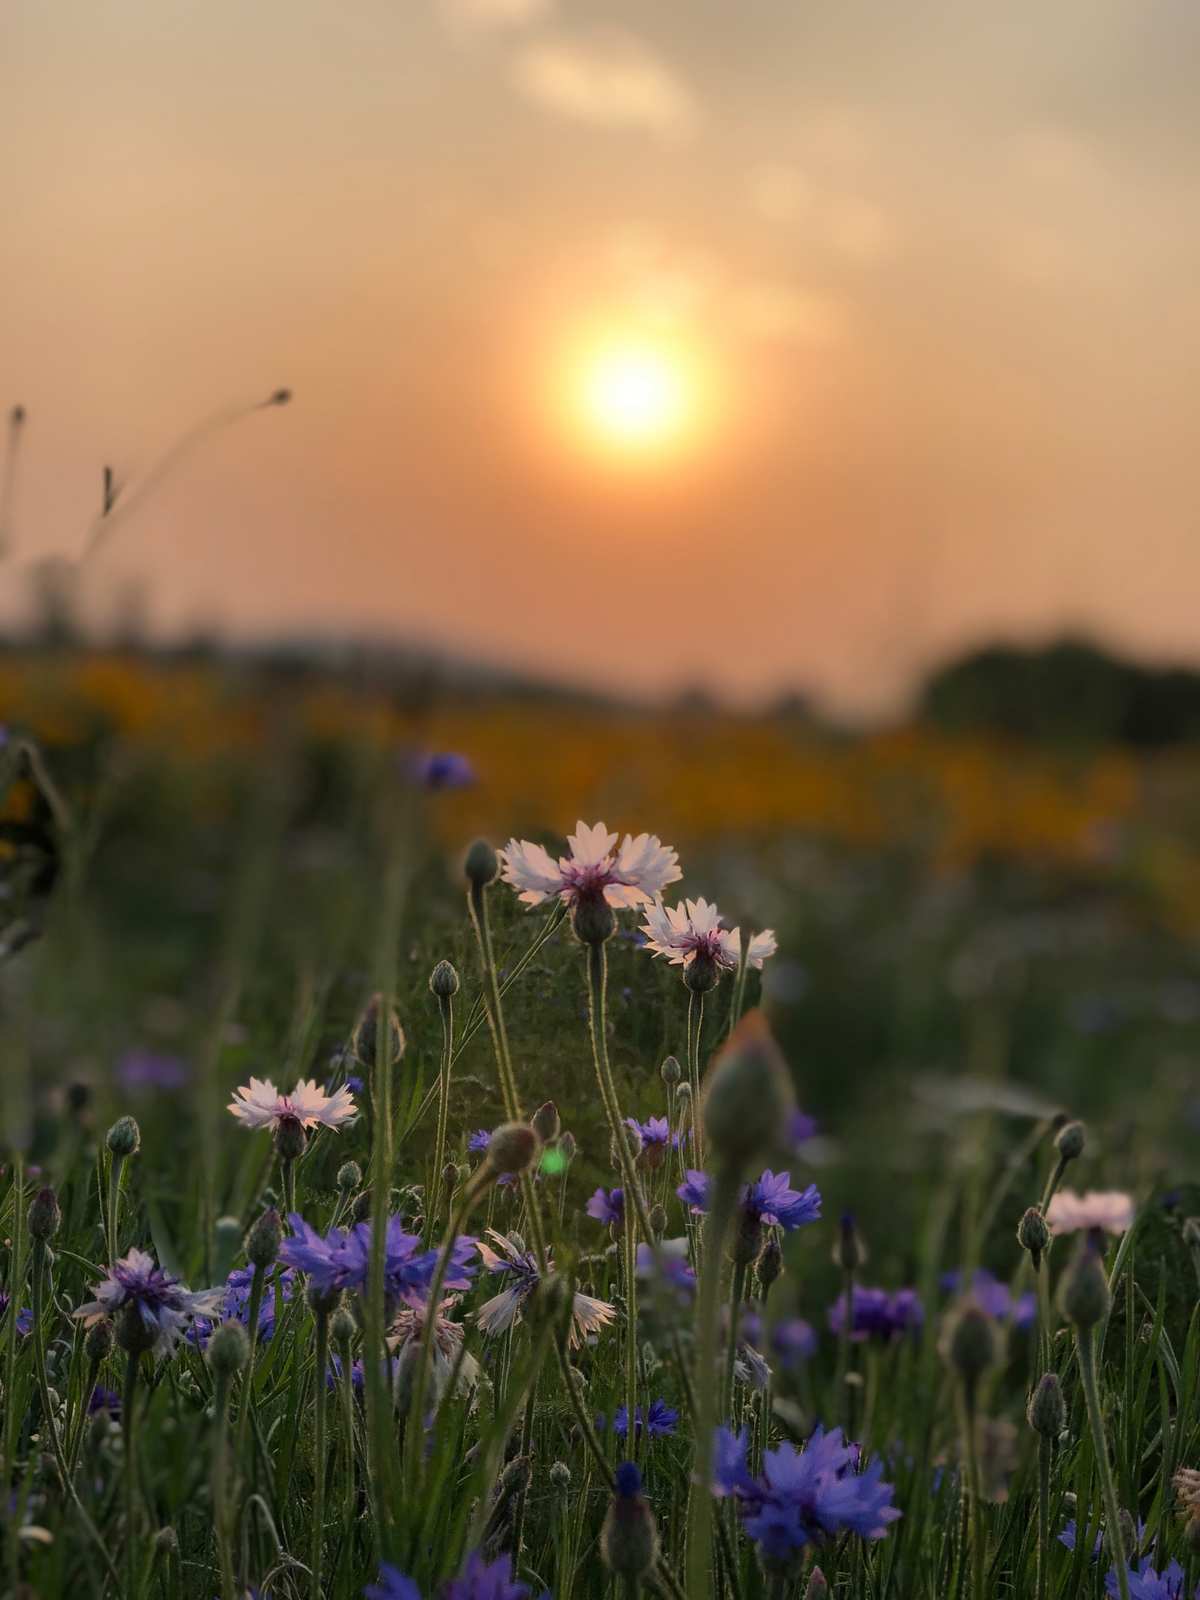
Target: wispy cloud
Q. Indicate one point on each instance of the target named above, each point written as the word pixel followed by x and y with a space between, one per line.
pixel 611 79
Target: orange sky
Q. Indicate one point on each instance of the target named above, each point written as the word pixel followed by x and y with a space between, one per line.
pixel 936 261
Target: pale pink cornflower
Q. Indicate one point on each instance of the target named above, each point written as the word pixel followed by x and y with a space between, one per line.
pixel 594 870
pixel 693 929
pixel 1109 1210
pixel 522 1276
pixel 445 1345
pixel 260 1105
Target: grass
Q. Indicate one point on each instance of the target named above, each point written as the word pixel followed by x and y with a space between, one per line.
pixel 235 918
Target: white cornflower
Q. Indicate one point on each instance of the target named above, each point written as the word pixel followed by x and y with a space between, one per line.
pixel 693 928
pixel 522 1276
pixel 594 870
pixel 1109 1210
pixel 260 1105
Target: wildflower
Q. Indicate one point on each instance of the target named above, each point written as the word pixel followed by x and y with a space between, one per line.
pixel 152 1307
pixel 804 1497
pixel 666 1266
pixel 107 1400
pixel 479 1141
pixel 481 1580
pixel 629 1538
pixel 392 1585
pixel 406 1334
pixel 341 1260
pixel 996 1298
pixel 656 1139
pixel 608 1205
pixel 801 1128
pixel 594 870
pixel 692 931
pixel 874 1313
pixel 235 1307
pixel 24 1315
pixel 770 1200
pixel 794 1342
pixel 511 1260
pixel 442 769
pixel 1069 1537
pixel 1145 1583
pixel 657 1421
pixel 146 1069
pixel 1109 1210
pixel 260 1105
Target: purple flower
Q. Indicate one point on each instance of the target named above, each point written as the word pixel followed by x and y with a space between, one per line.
pixel 666 1267
pixel 341 1259
pixel 801 1128
pixel 102 1399
pixel 794 1342
pixel 659 1421
pixel 392 1585
pixel 874 1313
pixel 442 769
pixel 694 1193
pixel 24 1316
pixel 770 1200
pixel 479 1141
pixel 236 1305
pixel 1147 1584
pixel 996 1298
pixel 656 1137
pixel 483 1580
pixel 519 1267
pixel 137 1286
pixel 608 1205
pixel 145 1069
pixel 1068 1538
pixel 803 1496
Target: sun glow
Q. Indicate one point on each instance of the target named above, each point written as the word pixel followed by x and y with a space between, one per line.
pixel 636 397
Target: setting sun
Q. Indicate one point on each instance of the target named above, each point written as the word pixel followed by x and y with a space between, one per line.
pixel 634 395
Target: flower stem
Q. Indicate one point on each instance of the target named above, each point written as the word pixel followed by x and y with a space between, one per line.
pixel 257 1288
pixel 1114 1538
pixel 695 1027
pixel 115 1173
pixel 970 1438
pixel 220 1484
pixel 631 1331
pixel 446 1008
pixel 1043 1554
pixel 128 1406
pixel 736 1295
pixel 841 1386
pixel 16 1284
pixel 319 1463
pixel 597 971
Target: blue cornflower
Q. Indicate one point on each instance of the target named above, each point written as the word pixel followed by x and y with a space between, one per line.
pixel 667 1265
pixel 341 1260
pixel 136 1287
pixel 608 1205
pixel 995 1297
pixel 1069 1537
pixel 483 1580
pixel 658 1421
pixel 442 769
pixel 236 1305
pixel 392 1585
pixel 657 1138
pixel 1145 1583
pixel 804 1496
pixel 794 1342
pixel 770 1200
pixel 102 1399
pixel 479 1141
pixel 146 1069
pixel 24 1315
pixel 876 1313
pixel 801 1128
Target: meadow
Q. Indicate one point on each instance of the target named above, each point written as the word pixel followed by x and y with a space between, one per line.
pixel 341 1208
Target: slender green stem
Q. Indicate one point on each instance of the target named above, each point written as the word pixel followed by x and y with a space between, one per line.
pixel 287 1180
pixel 737 1294
pixel 722 1205
pixel 16 1286
pixel 220 1484
pixel 1043 1552
pixel 970 1438
pixel 128 1438
pixel 1114 1537
pixel 841 1386
pixel 632 1438
pixel 695 1028
pixel 597 970
pixel 319 1451
pixel 738 1001
pixel 446 1008
pixel 346 1387
pixel 116 1171
pixel 257 1289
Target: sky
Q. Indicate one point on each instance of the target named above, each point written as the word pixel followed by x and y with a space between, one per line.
pixel 922 277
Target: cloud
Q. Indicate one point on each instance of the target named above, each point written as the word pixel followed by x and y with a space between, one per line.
pixel 608 79
pixel 481 15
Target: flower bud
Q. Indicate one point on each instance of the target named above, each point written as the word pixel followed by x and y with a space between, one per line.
pixel 629 1537
pixel 45 1217
pixel 450 1177
pixel 349 1176
pixel 1033 1234
pixel 1047 1411
pixel 658 1220
pixel 567 1147
pixel 968 1342
pixel 748 1238
pixel 818 1585
pixel 701 973
pixel 124 1138
pixel 98 1341
pixel 227 1236
pixel 228 1349
pixel 166 1543
pixel 290 1138
pixel 263 1239
pixel 481 865
pixel 133 1336
pixel 560 1477
pixel 513 1148
pixel 545 1123
pixel 1083 1295
pixel 849 1248
pixel 443 980
pixel 360 1210
pixel 1191 1532
pixel 671 1072
pixel 342 1326
pixel 593 920
pixel 770 1263
pixel 1070 1140
pixel 749 1095
pixel 365 1040
pixel 322 1300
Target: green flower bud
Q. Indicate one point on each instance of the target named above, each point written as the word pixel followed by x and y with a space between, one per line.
pixel 513 1147
pixel 567 1147
pixel 98 1341
pixel 322 1301
pixel 671 1072
pixel 264 1238
pixel 1070 1140
pixel 593 920
pixel 560 1477
pixel 701 974
pixel 228 1349
pixel 290 1138
pixel 443 981
pixel 482 865
pixel 166 1543
pixel 545 1123
pixel 1033 1234
pixel 1047 1411
pixel 227 1236
pixel 124 1138
pixel 342 1327
pixel 658 1220
pixel 133 1336
pixel 818 1585
pixel 1083 1295
pixel 770 1263
pixel 629 1537
pixel 45 1217
pixel 365 1039
pixel 349 1176
pixel 747 1239
pixel 749 1095
pixel 849 1248
pixel 968 1343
